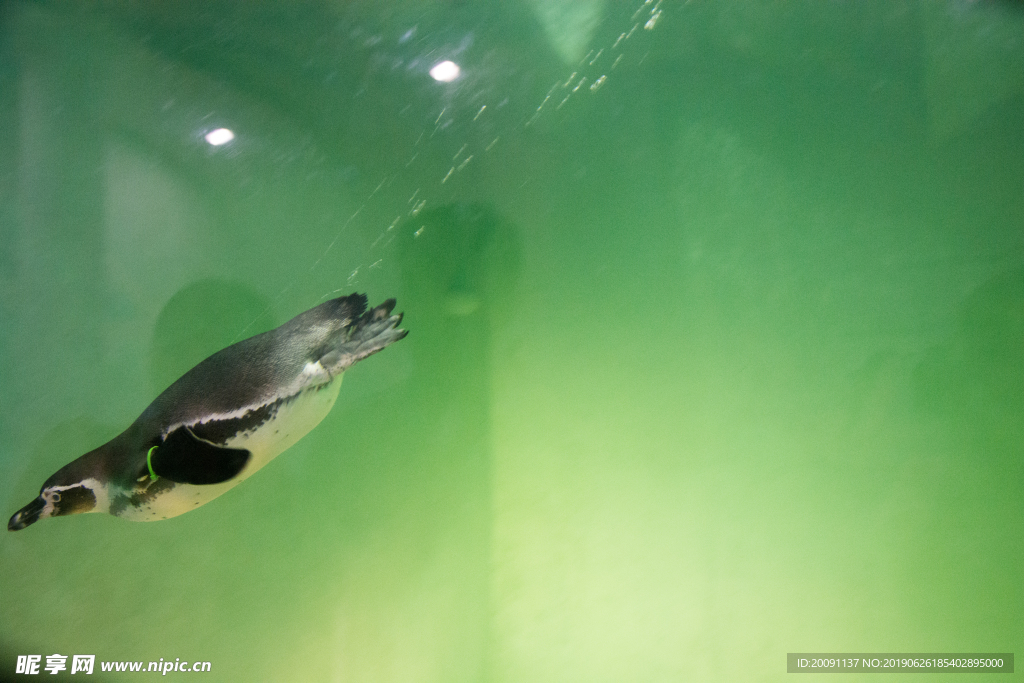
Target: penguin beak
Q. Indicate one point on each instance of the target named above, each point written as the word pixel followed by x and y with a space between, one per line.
pixel 27 515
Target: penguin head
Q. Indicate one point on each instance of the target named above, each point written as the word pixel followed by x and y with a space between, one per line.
pixel 55 500
pixel 88 484
pixel 75 488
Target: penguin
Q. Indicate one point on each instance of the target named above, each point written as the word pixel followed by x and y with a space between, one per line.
pixel 222 420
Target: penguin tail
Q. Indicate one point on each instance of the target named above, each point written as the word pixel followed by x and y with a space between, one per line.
pixel 366 335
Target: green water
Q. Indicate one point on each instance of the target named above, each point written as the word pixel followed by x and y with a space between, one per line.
pixel 715 359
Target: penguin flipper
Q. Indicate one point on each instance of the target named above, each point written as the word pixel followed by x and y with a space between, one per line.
pixel 184 458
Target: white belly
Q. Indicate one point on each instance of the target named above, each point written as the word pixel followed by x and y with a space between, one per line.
pixel 293 420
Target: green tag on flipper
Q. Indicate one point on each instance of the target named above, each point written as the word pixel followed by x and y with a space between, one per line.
pixel 149 463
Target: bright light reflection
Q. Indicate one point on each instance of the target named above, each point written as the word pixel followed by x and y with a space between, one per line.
pixel 219 137
pixel 445 71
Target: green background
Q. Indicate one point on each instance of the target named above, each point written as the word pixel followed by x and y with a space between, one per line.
pixel 715 359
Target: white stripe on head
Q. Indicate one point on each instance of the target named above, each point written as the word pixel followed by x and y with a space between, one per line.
pixel 52 496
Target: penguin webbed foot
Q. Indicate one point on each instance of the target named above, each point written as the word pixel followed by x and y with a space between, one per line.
pixel 374 330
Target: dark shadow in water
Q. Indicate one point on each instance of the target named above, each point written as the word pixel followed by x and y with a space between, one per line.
pixel 458 273
pixel 201 319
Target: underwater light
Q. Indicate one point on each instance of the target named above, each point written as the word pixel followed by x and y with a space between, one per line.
pixel 445 72
pixel 219 137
